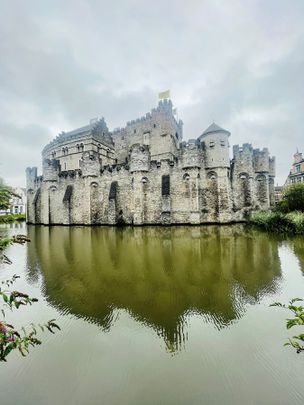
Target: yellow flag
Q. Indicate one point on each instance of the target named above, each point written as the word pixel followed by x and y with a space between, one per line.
pixel 164 94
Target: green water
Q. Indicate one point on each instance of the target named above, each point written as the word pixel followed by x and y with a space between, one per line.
pixel 176 315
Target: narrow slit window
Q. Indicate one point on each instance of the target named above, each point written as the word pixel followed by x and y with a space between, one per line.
pixel 165 185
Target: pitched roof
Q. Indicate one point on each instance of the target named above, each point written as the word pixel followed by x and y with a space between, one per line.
pixel 214 128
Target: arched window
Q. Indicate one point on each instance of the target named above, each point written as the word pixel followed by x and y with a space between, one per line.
pixel 243 176
pixel 212 176
pixel 52 189
pixel 113 190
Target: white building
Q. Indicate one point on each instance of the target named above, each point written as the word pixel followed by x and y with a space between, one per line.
pixel 17 202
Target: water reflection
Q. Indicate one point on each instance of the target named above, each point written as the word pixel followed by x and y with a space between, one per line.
pixel 159 275
pixel 298 248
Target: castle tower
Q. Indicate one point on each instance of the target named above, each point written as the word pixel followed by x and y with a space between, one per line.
pixel 191 162
pixel 31 178
pixel 243 177
pixel 139 167
pixel 159 129
pixel 50 172
pixel 215 146
pixel 261 167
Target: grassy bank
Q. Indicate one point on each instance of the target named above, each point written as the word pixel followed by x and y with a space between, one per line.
pixel 292 223
pixel 4 219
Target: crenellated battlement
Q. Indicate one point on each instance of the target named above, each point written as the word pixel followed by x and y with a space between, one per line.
pixel 261 160
pixel 31 177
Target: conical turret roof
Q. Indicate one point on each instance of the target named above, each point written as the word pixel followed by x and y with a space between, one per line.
pixel 214 128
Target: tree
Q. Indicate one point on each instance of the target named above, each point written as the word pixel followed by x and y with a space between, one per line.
pixel 293 198
pixel 5 195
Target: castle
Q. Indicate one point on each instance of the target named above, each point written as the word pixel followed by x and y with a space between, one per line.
pixel 145 173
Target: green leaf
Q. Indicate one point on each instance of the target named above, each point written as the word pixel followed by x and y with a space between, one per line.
pixel 277 304
pixel 291 322
pixel 8 349
pixel 295 300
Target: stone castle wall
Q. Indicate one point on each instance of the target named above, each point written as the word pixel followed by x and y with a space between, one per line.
pixel 145 174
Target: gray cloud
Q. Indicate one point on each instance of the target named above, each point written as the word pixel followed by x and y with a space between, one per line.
pixel 62 63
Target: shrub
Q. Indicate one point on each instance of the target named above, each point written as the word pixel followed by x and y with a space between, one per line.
pixel 297 218
pixel 12 218
pixel 293 198
pixel 292 222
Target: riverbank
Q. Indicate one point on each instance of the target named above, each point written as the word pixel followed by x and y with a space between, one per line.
pixel 291 223
pixel 4 219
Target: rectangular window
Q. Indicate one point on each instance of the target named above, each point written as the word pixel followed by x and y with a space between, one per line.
pixel 146 138
pixel 298 168
pixel 222 143
pixel 165 185
pixel 211 144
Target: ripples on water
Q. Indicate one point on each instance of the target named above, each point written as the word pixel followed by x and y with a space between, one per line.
pixel 173 281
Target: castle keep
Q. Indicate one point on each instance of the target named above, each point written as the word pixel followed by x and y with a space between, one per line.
pixel 145 173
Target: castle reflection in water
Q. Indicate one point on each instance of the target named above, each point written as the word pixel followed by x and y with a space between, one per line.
pixel 158 275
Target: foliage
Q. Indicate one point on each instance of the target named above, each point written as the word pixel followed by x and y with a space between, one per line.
pixel 296 341
pixel 4 242
pixel 292 223
pixel 293 199
pixel 5 194
pixel 12 218
pixel 10 337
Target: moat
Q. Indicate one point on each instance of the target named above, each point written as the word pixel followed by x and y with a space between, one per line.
pixel 156 315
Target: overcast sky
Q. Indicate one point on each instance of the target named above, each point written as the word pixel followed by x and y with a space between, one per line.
pixel 237 62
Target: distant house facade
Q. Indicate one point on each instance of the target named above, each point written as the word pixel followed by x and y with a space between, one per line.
pixel 296 174
pixel 17 202
pixel 278 194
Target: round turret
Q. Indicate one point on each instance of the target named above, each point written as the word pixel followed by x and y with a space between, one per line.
pixel 215 145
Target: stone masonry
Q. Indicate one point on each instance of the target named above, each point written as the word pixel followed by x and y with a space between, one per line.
pixel 145 173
